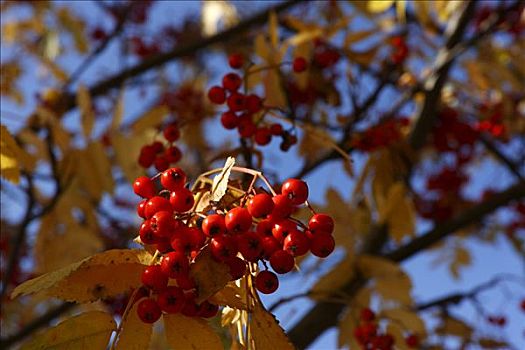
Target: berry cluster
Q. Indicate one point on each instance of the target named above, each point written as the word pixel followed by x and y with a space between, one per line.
pixel 499 321
pixel 400 50
pixel 260 228
pixel 368 335
pixel 381 135
pixel 157 154
pixel 493 125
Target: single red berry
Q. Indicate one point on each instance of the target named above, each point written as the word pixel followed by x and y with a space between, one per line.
pixel 148 311
pixel 236 102
pixel 171 132
pixel 276 129
pixel 173 179
pixel 195 237
pixel 98 34
pixel 282 261
pixel 299 64
pixel 237 267
pixel 253 103
pixel 367 315
pixel 163 224
pixel 157 147
pixel 182 200
pixel 260 205
pixel 153 277
pixel 190 308
pixel 283 206
pixel 146 233
pixel 246 128
pixel 171 300
pixel 214 225
pixel 270 245
pixel 283 228
pixel 322 244
pixel 249 245
pixel 238 220
pixel 263 136
pixel 161 163
pixel 223 247
pixel 321 223
pixel 229 120
pixel 266 282
pixel 174 264
pixel 522 305
pixel 236 60
pixel 217 95
pixel 265 227
pixel 172 154
pixel 180 243
pixel 146 157
pixel 156 204
pixel 296 243
pixel 208 310
pixel 144 187
pixel 412 341
pixel 296 190
pixel 141 207
pixel 231 82
pixel 185 282
pixel 163 245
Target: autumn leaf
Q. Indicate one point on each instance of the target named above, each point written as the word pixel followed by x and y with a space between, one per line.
pixel 90 330
pixel 92 278
pixel 86 110
pixel 336 278
pixel 220 181
pixel 266 333
pixel 454 326
pixel 209 275
pixel 190 333
pixel 93 169
pixel 151 118
pixel 135 334
pixel 408 319
pixel 230 296
pixel 398 212
pixel 12 157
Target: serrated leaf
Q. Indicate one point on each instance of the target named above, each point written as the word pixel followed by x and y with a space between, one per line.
pixel 262 49
pixel 335 278
pixel 398 212
pixel 275 96
pixel 90 330
pixel 397 288
pixel 408 319
pixel 127 150
pixel 92 278
pixel 135 334
pixel 93 170
pixel 151 118
pixel 190 333
pixel 220 181
pixel 266 333
pixel 86 110
pixel 209 275
pixel 230 296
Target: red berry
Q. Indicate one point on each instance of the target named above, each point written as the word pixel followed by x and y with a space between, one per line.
pixel 223 247
pixel 185 282
pixel 161 163
pixel 229 120
pixel 276 129
pixel 146 233
pixel 266 282
pixel 163 224
pixel 214 225
pixel 296 190
pixel 156 204
pixel 146 157
pixel 180 243
pixel 171 133
pixel 269 245
pixel 236 60
pixel 190 308
pixel 196 237
pixel 157 147
pixel 163 245
pixel 296 243
pixel 253 103
pixel 263 136
pixel 246 128
pixel 182 200
pixel 283 229
pixel 412 341
pixel 172 154
pixel 217 95
pixel 321 223
pixel 140 208
pixel 299 64
pixel 174 264
pixel 249 245
pixel 260 205
pixel 173 179
pixel 171 300
pixel 236 102
pixel 367 315
pixel 322 244
pixel 237 267
pixel 282 261
pixel 144 187
pixel 265 227
pixel 283 206
pixel 148 311
pixel 522 305
pixel 153 277
pixel 231 82
pixel 208 310
pixel 238 220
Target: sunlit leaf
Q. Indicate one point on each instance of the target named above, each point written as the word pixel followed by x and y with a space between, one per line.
pixel 86 110
pixel 209 275
pixel 135 334
pixel 190 333
pixel 220 181
pixel 265 331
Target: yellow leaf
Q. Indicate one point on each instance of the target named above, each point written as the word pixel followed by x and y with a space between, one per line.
pixel 262 48
pixel 397 331
pixel 209 275
pixel 93 169
pixel 398 212
pixel 273 30
pixel 127 151
pixel 378 267
pixel 90 330
pixel 150 119
pixel 355 37
pixel 75 26
pixel 408 319
pixel 135 334
pixel 266 333
pixel 378 6
pixel 383 179
pixel 488 343
pixel 92 278
pixel 190 333
pixel 11 72
pixel 230 296
pixel 118 113
pixel 12 157
pixel 401 6
pixel 275 96
pixel 397 289
pixel 220 181
pixel 335 279
pixel 86 110
pixel 461 259
pixel 214 13
pixel 453 326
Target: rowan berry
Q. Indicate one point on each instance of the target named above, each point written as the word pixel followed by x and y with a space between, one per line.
pixel 144 187
pixel 172 154
pixel 146 157
pixel 196 237
pixel 283 206
pixel 174 264
pixel 207 309
pixel 229 120
pixel 190 308
pixel 264 227
pixel 157 147
pixel 237 267
pixel 367 315
pixel 163 224
pixel 163 245
pixel 171 132
pixel 269 246
pixel 231 82
pixel 296 243
pixel 182 200
pixel 260 205
pixel 236 60
pixel 296 190
pixel 276 129
pixel 321 223
pixel 185 282
pixel 171 300
pixel 156 204
pixel 180 243
pixel 299 64
pixel 283 229
pixel 249 245
pixel 223 247
pixel 322 244
pixel 238 220
pixel 263 136
pixel 282 262
pixel 148 311
pixel 412 341
pixel 246 128
pixel 140 208
pixel 217 95
pixel 173 179
pixel 146 233
pixel 214 225
pixel 161 163
pixel 236 102
pixel 153 277
pixel 266 282
pixel 253 103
